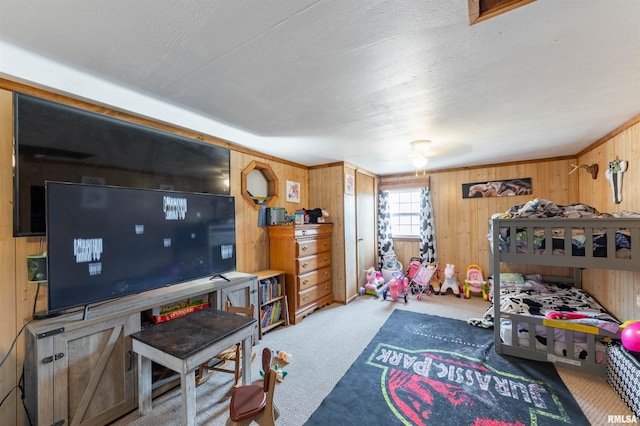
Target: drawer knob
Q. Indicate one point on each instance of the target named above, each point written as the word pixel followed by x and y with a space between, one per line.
pixel 304 232
pixel 304 248
pixel 305 264
pixel 326 287
pixel 305 297
pixel 326 258
pixel 326 274
pixel 326 243
pixel 305 282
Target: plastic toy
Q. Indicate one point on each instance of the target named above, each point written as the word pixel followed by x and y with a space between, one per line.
pixel 282 355
pixel 630 337
pixel 475 282
pixel 421 277
pixel 397 288
pixel 390 266
pixel 450 281
pixel 375 280
pixel 280 373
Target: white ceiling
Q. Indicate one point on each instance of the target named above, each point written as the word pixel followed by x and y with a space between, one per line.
pixel 318 81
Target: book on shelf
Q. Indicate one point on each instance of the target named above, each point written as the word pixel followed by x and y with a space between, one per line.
pixel 270 288
pixel 270 314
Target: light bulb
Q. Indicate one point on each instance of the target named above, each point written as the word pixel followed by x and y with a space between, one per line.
pixel 419 162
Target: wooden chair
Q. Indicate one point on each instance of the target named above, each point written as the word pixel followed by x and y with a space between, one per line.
pixel 254 403
pixel 229 355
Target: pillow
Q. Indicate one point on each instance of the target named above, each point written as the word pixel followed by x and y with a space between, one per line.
pixel 511 277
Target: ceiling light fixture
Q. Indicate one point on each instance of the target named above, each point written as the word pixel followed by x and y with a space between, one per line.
pixel 419 154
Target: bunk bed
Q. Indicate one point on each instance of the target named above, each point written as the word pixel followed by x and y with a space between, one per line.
pixel 590 241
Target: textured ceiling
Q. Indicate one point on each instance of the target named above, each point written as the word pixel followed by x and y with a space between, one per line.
pixel 318 81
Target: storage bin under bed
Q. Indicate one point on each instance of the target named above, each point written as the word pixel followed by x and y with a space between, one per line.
pixel 623 374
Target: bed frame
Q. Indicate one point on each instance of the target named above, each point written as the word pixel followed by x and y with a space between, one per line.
pixel 548 258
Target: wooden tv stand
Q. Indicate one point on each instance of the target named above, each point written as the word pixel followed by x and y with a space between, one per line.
pixel 83 371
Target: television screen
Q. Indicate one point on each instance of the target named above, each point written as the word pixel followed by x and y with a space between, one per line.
pixel 57 142
pixel 105 242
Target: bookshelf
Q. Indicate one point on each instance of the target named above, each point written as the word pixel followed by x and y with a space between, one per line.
pixel 272 295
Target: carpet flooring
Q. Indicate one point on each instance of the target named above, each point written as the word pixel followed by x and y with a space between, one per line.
pixel 426 370
pixel 324 346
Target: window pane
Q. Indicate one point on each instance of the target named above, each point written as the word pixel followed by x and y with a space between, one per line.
pixel 405 216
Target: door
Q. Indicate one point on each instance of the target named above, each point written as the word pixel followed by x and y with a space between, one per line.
pixel 366 212
pixel 94 372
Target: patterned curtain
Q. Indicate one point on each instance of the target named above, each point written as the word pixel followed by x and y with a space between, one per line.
pixel 385 241
pixel 427 227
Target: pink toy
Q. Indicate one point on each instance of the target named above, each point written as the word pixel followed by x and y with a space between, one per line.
pixel 374 282
pixel 397 288
pixel 630 337
pixel 450 281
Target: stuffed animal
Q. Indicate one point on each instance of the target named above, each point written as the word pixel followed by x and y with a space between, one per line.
pixel 450 281
pixel 316 215
pixel 435 280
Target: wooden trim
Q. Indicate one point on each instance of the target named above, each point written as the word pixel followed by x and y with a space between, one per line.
pixel 615 132
pixel 481 10
pixel 403 182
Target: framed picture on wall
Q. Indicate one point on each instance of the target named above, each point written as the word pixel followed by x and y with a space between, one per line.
pixel 499 188
pixel 349 183
pixel 293 191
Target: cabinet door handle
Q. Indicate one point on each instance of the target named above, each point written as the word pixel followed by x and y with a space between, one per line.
pixel 305 264
pixel 304 248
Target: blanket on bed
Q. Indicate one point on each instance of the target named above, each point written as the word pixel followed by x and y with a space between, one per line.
pixel 541 208
pixel 537 298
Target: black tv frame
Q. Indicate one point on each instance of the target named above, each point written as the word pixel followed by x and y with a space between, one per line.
pixel 106 242
pixel 58 142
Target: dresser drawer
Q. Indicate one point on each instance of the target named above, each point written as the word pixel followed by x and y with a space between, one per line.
pixel 314 293
pixel 312 230
pixel 312 278
pixel 313 246
pixel 311 263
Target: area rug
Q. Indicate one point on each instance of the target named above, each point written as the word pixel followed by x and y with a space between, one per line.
pixel 428 370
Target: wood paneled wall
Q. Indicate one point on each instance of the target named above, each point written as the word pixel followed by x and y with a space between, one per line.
pixel 462 224
pixel 327 192
pixel 616 290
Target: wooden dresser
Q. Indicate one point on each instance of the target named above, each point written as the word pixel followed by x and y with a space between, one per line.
pixel 303 252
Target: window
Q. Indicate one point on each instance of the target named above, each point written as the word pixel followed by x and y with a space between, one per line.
pixel 405 213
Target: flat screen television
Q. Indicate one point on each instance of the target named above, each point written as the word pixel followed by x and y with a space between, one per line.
pixel 57 142
pixel 105 242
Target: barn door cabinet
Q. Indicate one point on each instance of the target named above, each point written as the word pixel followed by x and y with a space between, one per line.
pixel 82 371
